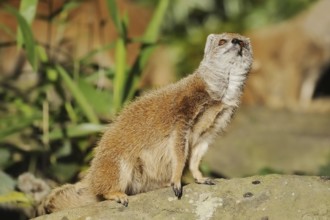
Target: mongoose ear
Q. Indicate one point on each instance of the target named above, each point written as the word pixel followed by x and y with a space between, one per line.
pixel 208 45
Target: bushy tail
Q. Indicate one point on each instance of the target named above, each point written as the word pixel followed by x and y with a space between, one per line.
pixel 67 196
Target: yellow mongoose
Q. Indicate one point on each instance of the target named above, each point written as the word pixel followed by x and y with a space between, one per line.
pixel 151 141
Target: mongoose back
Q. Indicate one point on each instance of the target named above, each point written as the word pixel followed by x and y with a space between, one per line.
pixel 157 135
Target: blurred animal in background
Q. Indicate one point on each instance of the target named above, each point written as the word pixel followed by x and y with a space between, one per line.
pixel 292 62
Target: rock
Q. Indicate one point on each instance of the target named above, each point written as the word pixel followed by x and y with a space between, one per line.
pixel 259 138
pixel 256 197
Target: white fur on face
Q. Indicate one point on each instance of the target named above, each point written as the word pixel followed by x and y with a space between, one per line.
pixel 227 65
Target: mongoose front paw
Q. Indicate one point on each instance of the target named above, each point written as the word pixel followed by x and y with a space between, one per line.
pixel 125 203
pixel 118 197
pixel 177 188
pixel 123 200
pixel 207 181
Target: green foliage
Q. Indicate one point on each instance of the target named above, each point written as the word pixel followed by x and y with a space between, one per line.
pixel 7 183
pixel 8 195
pixel 27 10
pixel 51 126
pixel 25 35
pixel 126 79
pixel 114 13
pixel 120 74
pixel 149 41
pixel 16 198
pixel 78 95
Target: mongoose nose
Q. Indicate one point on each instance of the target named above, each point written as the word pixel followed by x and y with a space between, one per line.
pixel 236 41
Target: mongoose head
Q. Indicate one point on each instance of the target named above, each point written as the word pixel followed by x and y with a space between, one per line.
pixel 228 49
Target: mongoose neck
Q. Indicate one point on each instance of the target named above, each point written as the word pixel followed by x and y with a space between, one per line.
pixel 224 82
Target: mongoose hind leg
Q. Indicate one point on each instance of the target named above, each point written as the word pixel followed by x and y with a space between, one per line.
pixel 196 156
pixel 119 197
pixel 179 156
pixel 108 177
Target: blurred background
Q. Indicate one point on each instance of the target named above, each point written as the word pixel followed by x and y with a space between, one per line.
pixel 68 67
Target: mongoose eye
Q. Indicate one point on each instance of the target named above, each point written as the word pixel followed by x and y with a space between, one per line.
pixel 222 42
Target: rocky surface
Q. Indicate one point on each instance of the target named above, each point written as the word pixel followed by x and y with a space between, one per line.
pixel 257 197
pixel 286 142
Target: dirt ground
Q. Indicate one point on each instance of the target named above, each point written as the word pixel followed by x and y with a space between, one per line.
pixel 260 141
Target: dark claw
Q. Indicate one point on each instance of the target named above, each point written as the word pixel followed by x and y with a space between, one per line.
pixel 209 182
pixel 123 202
pixel 177 191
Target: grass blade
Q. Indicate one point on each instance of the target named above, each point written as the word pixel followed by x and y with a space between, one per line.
pixel 151 34
pixel 88 56
pixel 9 126
pixel 76 131
pixel 7 183
pixel 78 95
pixel 120 74
pixel 114 13
pixel 15 197
pixel 27 37
pixel 101 104
pixel 149 40
pixel 27 10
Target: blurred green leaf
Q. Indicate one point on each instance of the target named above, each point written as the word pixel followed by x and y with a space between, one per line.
pixel 64 150
pixel 71 113
pixel 15 197
pixel 7 183
pixel 27 37
pixel 101 104
pixel 52 74
pixel 125 21
pixel 149 39
pixel 42 54
pixel 88 56
pixel 70 5
pixel 78 95
pixel 151 34
pixel 16 124
pixel 27 10
pixel 114 13
pixel 23 107
pixel 64 171
pixel 120 75
pixel 4 158
pixel 76 131
pixel 95 76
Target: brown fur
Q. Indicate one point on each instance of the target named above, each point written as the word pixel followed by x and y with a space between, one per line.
pixel 152 140
pixel 66 196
